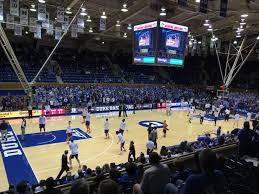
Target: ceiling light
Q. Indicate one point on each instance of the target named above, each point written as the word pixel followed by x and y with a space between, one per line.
pixel 42 1
pixel 102 42
pixel 124 8
pixel 118 23
pixel 26 32
pixel 210 29
pixel 91 30
pixel 68 10
pixel 89 19
pixel 238 36
pixel 125 35
pixel 33 8
pixel 199 42
pixel 197 1
pixel 129 27
pixel 244 15
pixel 235 42
pixel 257 38
pixel 242 23
pixel 83 12
pixel 103 16
pixel 163 11
pixel 206 23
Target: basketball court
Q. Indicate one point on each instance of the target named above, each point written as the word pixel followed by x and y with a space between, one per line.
pixel 41 154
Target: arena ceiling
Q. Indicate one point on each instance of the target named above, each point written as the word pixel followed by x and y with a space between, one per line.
pixel 140 11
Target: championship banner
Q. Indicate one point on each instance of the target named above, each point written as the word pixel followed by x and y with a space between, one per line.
pixel 10 21
pixel 203 6
pixel 80 24
pixel 182 3
pixel 102 24
pixel 60 14
pixel 42 11
pixel 33 24
pixel 1 11
pixel 17 30
pixel 223 8
pixel 74 31
pixel 50 28
pixel 65 23
pixel 58 33
pixel 45 24
pixel 14 7
pixel 24 16
pixel 37 34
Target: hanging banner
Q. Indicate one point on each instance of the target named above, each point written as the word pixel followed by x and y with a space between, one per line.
pixel 37 34
pixel 203 6
pixel 50 28
pixel 24 16
pixel 9 21
pixel 14 7
pixel 58 33
pixel 223 8
pixel 60 14
pixel 182 3
pixel 74 31
pixel 102 24
pixel 42 11
pixel 1 11
pixel 17 30
pixel 45 24
pixel 33 24
pixel 65 23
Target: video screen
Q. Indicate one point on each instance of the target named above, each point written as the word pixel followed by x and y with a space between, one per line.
pixel 173 39
pixel 144 38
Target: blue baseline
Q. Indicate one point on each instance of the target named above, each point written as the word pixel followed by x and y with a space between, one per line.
pixel 58 136
pixel 15 161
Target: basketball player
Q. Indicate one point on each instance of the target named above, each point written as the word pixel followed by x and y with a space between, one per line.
pixel 69 132
pixel 165 128
pixel 248 116
pixel 227 112
pixel 236 119
pixel 87 122
pixel 190 114
pixel 123 127
pixel 106 128
pixel 23 126
pixel 202 115
pixel 74 153
pixel 216 115
pixel 168 108
pixel 30 110
pixel 84 114
pixel 42 123
pixel 121 141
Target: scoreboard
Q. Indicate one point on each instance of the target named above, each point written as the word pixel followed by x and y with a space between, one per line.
pixel 160 43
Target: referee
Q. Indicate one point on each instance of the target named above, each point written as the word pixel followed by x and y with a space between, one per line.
pixel 64 164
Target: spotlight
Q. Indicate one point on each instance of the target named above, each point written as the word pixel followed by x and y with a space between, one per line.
pixel 83 12
pixel 124 8
pixel 118 23
pixel 129 27
pixel 103 16
pixel 91 30
pixel 244 15
pixel 125 35
pixel 41 1
pixel 206 23
pixel 257 38
pixel 235 42
pixel 88 19
pixel 102 42
pixel 33 9
pixel 163 12
pixel 68 10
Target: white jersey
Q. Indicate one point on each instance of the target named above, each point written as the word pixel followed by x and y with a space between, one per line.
pixel 23 125
pixel 84 112
pixel 216 114
pixel 121 138
pixel 207 105
pixel 237 117
pixel 106 125
pixel 88 116
pixel 227 112
pixel 221 106
pixel 150 145
pixel 123 126
pixel 73 148
pixel 42 120
pixel 69 129
pixel 213 108
pixel 203 114
pixel 191 112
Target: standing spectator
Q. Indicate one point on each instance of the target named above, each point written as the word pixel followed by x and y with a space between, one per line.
pixel 3 129
pixel 155 178
pixel 64 164
pixel 219 131
pixel 120 110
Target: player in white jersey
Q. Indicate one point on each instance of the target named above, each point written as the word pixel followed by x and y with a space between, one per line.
pixel 106 128
pixel 202 115
pixel 190 114
pixel 74 153
pixel 207 107
pixel 42 123
pixel 123 127
pixel 216 116
pixel 168 108
pixel 87 122
pixel 248 116
pixel 23 126
pixel 227 113
pixel 69 132
pixel 121 141
pixel 84 111
pixel 236 119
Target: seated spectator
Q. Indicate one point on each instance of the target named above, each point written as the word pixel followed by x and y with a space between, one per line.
pixel 79 174
pixel 67 178
pixel 84 170
pixel 163 151
pixel 155 178
pixel 106 168
pixel 89 172
pixel 114 174
pixel 23 188
pixel 11 189
pixel 99 175
pixel 130 177
pixel 41 187
pixel 79 187
pixel 50 187
pixel 142 158
pixel 108 186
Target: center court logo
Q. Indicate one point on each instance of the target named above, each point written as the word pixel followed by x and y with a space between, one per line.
pixel 156 124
